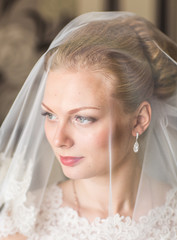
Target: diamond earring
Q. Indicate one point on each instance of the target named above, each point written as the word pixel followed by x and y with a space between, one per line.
pixel 136 145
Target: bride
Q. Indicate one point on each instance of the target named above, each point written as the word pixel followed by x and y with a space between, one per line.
pixel 106 91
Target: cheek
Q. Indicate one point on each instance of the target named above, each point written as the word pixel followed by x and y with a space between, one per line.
pixel 121 138
pixel 96 140
pixel 49 132
pixel 118 134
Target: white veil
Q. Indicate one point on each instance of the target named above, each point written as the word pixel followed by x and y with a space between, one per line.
pixel 26 159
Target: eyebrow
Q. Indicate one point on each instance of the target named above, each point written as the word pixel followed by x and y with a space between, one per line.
pixel 75 109
pixel 43 105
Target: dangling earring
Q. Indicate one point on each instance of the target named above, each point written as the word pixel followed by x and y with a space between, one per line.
pixel 136 145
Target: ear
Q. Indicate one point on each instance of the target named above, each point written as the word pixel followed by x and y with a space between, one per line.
pixel 142 118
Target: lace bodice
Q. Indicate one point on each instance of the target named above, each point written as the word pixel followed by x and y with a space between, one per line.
pixel 63 223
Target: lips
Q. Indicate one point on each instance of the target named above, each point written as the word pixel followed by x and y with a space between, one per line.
pixel 70 161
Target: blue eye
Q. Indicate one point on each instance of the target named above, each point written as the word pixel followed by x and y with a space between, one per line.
pixel 49 115
pixel 84 120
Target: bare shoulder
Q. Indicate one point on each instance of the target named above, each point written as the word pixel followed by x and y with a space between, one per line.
pixel 66 187
pixel 15 237
pixel 67 192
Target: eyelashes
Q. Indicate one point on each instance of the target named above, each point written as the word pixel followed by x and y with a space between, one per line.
pixel 84 120
pixel 78 119
pixel 49 115
pixel 44 114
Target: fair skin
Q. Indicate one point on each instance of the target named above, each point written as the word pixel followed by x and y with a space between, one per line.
pixel 15 237
pixel 79 109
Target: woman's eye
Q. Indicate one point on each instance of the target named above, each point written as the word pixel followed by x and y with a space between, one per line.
pixel 84 120
pixel 49 115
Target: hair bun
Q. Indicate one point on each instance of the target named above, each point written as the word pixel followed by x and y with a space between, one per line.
pixel 161 53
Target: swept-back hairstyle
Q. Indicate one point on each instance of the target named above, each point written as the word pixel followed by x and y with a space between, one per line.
pixel 127 51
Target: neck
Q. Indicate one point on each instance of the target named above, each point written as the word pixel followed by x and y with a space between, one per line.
pixel 96 190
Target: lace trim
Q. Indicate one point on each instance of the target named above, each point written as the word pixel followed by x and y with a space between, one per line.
pixel 56 222
pixel 18 214
pixel 65 224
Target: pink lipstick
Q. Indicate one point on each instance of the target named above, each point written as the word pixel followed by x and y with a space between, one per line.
pixel 69 160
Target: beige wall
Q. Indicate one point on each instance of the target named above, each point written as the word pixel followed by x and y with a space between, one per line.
pixel 172 19
pixel 89 6
pixel 144 8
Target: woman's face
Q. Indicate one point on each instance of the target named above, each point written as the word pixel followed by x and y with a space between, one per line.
pixel 79 114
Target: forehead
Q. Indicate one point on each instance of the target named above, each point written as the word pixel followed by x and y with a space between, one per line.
pixel 66 88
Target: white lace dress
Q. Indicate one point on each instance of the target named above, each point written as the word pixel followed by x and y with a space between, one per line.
pixel 63 223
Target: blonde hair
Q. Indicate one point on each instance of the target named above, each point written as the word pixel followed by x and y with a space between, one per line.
pixel 126 50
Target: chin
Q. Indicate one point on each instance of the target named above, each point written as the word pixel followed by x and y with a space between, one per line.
pixel 76 173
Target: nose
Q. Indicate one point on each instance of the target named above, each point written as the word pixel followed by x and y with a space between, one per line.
pixel 62 137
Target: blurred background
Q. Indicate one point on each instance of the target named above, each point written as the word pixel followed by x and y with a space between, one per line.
pixel 28 26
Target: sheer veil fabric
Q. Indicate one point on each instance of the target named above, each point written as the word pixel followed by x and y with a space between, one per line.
pixel 26 158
